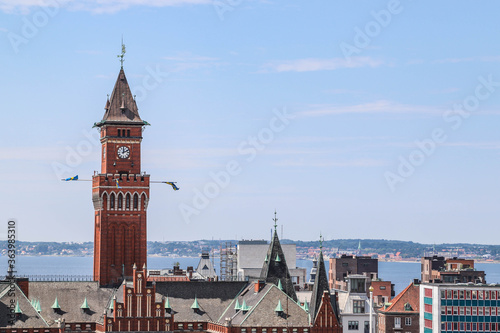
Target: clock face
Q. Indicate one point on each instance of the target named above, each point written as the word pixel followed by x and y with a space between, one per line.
pixel 123 152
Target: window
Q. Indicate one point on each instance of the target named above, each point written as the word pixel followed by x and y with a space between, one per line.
pixel 443 310
pixel 474 326
pixel 112 201
pixel 127 201
pixel 462 311
pixel 455 310
pixel 358 306
pixel 486 295
pixel 455 294
pixel 468 326
pixel 467 293
pixel 474 311
pixel 480 311
pixel 462 328
pixel 467 311
pixel 352 325
pixel 448 310
pixel 120 201
pixel 136 201
pixel 461 294
pixel 119 132
pixel 474 294
pixel 397 322
pixel 128 132
pixel 408 321
pixel 382 287
pixel 448 294
pixel 480 295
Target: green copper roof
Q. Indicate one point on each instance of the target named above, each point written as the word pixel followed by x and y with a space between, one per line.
pixel 85 305
pixel 279 308
pixel 237 306
pixel 267 258
pixel 306 307
pixel 280 286
pixel 244 306
pixel 278 259
pixel 55 305
pixel 167 304
pixel 17 310
pixel 195 305
pixel 38 306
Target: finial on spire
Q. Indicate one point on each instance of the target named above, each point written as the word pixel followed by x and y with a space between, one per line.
pixel 320 242
pixel 122 55
pixel 275 221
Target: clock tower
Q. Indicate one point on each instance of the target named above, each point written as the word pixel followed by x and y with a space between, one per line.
pixel 120 192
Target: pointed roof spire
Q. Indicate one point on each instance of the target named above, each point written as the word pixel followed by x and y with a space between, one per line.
pixel 167 304
pixel 55 306
pixel 85 304
pixel 280 286
pixel 237 306
pixel 38 306
pixel 195 305
pixel 279 308
pixel 320 286
pixel 244 306
pixel 17 309
pixel 275 269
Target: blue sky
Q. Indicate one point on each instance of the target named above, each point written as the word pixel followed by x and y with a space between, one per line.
pixel 356 119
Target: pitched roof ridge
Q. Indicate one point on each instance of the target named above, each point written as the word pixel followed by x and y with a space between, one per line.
pixel 232 302
pixel 256 304
pixel 398 297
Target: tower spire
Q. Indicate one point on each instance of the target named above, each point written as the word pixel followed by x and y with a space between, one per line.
pixel 275 219
pixel 122 55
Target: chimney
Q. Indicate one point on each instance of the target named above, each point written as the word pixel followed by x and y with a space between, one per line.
pixel 259 284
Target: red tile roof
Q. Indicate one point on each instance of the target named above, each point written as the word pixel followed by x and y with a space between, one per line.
pixel 410 295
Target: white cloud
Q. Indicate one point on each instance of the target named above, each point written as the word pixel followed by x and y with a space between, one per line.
pixel 468 59
pixel 94 6
pixel 315 64
pixel 381 106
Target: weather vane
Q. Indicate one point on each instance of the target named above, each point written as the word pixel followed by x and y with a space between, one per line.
pixel 122 55
pixel 320 242
pixel 275 221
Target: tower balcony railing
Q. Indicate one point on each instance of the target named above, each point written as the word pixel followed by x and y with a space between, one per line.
pixel 58 278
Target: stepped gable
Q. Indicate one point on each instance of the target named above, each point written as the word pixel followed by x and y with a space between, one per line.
pixel 29 316
pixel 71 296
pixel 121 107
pixel 261 307
pixel 275 268
pixel 408 301
pixel 213 298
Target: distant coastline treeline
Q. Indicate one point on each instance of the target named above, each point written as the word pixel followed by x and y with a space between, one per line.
pixel 305 249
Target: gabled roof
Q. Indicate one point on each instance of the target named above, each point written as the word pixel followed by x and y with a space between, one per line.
pixel 275 269
pixel 261 308
pixel 29 317
pixel 121 107
pixel 411 296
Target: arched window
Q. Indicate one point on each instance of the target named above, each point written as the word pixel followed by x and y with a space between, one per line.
pixel 104 201
pixel 120 201
pixel 112 201
pixel 127 201
pixel 136 201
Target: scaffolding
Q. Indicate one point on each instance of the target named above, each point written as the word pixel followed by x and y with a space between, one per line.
pixel 228 262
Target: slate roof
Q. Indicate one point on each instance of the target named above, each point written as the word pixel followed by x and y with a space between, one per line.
pixel 70 296
pixel 213 298
pixel 262 306
pixel 319 287
pixel 121 107
pixel 410 295
pixel 276 269
pixel 29 316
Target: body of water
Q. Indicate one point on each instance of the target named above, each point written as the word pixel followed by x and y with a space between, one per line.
pixel 400 273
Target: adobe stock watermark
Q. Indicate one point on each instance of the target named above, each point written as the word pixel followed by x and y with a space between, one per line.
pixel 248 150
pixel 151 81
pixel 223 6
pixel 32 24
pixel 454 119
pixel 363 37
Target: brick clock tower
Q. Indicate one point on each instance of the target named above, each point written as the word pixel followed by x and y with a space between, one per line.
pixel 120 192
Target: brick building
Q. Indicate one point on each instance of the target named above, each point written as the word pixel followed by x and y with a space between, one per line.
pixel 451 270
pixel 402 315
pixel 341 267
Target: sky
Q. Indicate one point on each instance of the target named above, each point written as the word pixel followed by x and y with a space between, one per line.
pixel 353 119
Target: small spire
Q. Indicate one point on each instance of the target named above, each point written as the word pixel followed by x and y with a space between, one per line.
pixel 17 309
pixel 237 306
pixel 278 259
pixel 56 306
pixel 280 286
pixel 195 305
pixel 38 306
pixel 279 308
pixel 244 306
pixel 320 242
pixel 85 305
pixel 267 258
pixel 167 304
pixel 122 55
pixel 144 266
pixel 275 221
pixel 135 266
